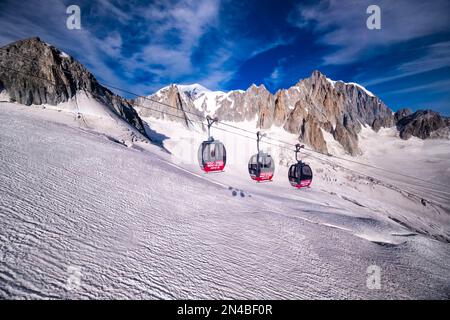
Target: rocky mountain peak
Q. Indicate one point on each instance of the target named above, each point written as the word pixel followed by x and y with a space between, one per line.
pixel 310 108
pixel 180 100
pixel 316 74
pixel 35 72
pixel 400 114
pixel 423 124
pixel 257 88
pixel 335 107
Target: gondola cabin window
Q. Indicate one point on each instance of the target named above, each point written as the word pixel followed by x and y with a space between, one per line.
pixel 307 172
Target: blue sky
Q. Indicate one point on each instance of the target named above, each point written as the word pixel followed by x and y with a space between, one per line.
pixel 225 44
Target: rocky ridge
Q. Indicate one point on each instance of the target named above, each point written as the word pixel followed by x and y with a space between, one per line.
pixel 36 73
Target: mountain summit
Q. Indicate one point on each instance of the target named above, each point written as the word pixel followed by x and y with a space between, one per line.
pixel 34 72
pixel 312 108
pixel 316 108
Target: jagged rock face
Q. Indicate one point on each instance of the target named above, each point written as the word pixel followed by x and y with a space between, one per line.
pixel 376 125
pixel 424 124
pixel 256 102
pixel 347 138
pixel 295 118
pixel 362 107
pixel 326 102
pixel 312 105
pixel 170 104
pixel 56 77
pixel 281 111
pixel 335 107
pixel 345 107
pixel 311 133
pixel 285 101
pixel 400 114
pixel 318 106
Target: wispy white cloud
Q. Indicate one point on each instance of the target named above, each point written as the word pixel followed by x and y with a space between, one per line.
pixel 141 46
pixel 19 20
pixel 435 87
pixel 185 21
pixel 275 76
pixel 436 56
pixel 114 9
pixel 171 31
pixel 278 74
pixel 342 24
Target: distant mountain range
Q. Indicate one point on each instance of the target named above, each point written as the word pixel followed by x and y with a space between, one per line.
pixel 313 108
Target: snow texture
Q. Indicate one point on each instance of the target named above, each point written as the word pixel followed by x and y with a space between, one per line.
pixel 84 216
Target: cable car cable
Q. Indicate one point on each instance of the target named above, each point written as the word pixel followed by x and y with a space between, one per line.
pixel 232 126
pixel 238 128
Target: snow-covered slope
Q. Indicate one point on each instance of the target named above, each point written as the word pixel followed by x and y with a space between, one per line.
pixel 354 84
pixel 4 96
pixel 369 93
pixel 88 114
pixel 139 222
pixel 204 99
pixel 390 193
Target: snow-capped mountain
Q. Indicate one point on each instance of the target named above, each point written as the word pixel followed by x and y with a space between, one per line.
pixel 169 103
pixel 313 108
pixel 204 99
pixel 309 108
pixel 193 98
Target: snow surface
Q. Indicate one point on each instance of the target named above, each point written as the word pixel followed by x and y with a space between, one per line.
pixel 195 88
pixel 210 100
pixel 204 99
pixel 143 222
pixel 391 194
pixel 4 96
pixel 87 113
pixel 64 55
pixel 362 88
pixel 333 83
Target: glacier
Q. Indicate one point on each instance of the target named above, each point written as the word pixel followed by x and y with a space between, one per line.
pixel 136 220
